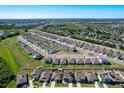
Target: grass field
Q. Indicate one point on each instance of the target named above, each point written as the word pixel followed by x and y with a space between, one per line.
pixel 16 57
pixel 19 56
pixel 5 53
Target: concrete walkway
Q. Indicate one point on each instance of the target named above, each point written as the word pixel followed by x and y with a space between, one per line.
pixel 44 85
pixel 53 84
pixel 70 85
pixel 105 85
pixel 31 84
pixel 78 85
pixel 96 84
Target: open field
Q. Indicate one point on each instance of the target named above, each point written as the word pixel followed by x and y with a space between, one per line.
pixel 21 58
pixel 16 57
pixel 5 53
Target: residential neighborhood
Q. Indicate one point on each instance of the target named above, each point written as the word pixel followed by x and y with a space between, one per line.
pixel 62 53
pixel 71 78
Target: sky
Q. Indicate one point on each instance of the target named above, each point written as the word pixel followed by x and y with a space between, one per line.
pixel 61 11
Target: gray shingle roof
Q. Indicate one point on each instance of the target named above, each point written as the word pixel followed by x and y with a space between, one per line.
pixel 21 79
pixel 45 75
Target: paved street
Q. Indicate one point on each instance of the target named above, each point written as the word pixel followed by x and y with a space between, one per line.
pixel 53 84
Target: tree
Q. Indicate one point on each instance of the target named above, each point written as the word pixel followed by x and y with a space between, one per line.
pixel 5 73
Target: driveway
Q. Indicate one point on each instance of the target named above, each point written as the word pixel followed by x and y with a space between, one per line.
pixel 99 78
pixel 44 85
pixel 53 84
pixel 31 83
pixel 105 85
pixel 78 85
pixel 96 84
pixel 70 85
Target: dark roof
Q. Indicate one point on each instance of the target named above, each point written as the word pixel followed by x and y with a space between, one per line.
pixel 56 61
pixel 95 61
pixel 37 56
pixel 105 61
pixel 87 61
pixel 91 76
pixel 45 75
pixel 36 74
pixel 21 79
pixel 79 61
pixel 116 77
pixel 56 75
pixel 71 61
pixel 105 76
pixel 63 61
pixel 48 60
pixel 68 76
pixel 79 76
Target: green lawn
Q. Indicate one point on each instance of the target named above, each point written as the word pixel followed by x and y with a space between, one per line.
pixel 11 84
pixel 5 53
pixel 114 86
pixel 87 85
pixel 16 57
pixel 21 58
pixel 60 85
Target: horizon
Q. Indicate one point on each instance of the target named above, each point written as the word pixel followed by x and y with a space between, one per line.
pixel 61 12
pixel 57 18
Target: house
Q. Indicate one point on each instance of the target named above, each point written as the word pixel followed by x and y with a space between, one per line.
pixel 68 77
pixel 63 61
pixel 45 76
pixel 22 80
pixel 79 61
pixel 56 76
pixel 80 44
pixel 91 77
pixel 56 61
pixel 105 61
pixel 104 51
pixel 71 61
pixel 80 77
pixel 116 78
pixel 36 74
pixel 121 73
pixel 106 78
pixel 87 61
pixel 73 49
pixel 121 57
pixel 48 60
pixel 95 61
pixel 91 47
pixel 37 56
